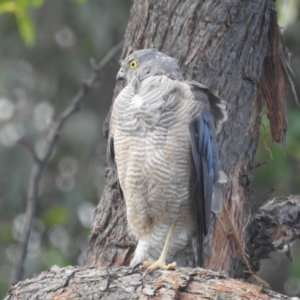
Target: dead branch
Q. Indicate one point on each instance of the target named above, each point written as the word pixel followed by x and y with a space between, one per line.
pixel 273 226
pixel 42 158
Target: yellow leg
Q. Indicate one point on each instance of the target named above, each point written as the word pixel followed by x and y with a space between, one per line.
pixel 161 262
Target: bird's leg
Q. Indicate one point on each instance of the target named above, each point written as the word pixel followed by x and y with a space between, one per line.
pixel 161 262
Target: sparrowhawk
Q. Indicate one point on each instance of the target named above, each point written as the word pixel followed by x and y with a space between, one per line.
pixel 162 143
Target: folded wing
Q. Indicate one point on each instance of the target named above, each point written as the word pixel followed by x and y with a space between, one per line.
pixel 206 175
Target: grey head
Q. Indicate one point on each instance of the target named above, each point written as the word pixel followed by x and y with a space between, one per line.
pixel 148 62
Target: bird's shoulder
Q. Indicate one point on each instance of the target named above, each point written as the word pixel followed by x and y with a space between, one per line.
pixel 212 103
pixel 152 93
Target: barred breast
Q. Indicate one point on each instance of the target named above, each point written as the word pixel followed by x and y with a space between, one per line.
pixel 150 128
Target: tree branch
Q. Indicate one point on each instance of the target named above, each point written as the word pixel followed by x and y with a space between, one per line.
pixel 42 158
pixel 273 226
pixel 121 283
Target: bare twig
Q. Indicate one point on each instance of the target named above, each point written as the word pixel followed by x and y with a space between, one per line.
pixel 259 165
pixel 240 247
pixel 30 148
pixel 262 200
pixel 42 159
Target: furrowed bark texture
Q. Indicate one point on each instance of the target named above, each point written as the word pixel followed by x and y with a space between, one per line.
pixel 273 226
pixel 234 48
pixel 119 283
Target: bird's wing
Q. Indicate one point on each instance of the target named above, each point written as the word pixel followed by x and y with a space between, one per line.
pixel 217 106
pixel 110 152
pixel 124 96
pixel 112 163
pixel 207 194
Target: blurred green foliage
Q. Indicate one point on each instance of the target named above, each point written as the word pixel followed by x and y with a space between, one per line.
pixel 20 8
pixel 55 215
pixel 21 11
pixel 287 11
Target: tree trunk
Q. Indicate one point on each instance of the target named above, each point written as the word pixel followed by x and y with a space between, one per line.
pixel 234 48
pixel 119 283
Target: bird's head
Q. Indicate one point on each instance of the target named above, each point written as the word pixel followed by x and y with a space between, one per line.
pixel 148 62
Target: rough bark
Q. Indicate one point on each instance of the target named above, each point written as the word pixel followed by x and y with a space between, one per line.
pixel 273 227
pixel 119 283
pixel 233 47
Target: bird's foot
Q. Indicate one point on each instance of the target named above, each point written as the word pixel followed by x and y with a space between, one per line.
pixel 152 266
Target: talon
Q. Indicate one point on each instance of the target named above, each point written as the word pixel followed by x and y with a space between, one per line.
pixel 172 266
pixel 160 263
pixel 145 265
pixel 152 266
pixel 138 265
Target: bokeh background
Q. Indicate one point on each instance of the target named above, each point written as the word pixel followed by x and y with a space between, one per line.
pixel 39 75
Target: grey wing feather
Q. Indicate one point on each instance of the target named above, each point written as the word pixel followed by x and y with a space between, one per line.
pixel 111 161
pixel 217 106
pixel 110 153
pixel 206 161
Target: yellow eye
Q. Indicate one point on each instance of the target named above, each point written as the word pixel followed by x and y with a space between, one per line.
pixel 133 64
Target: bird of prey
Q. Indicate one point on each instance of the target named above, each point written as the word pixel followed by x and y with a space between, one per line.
pixel 162 143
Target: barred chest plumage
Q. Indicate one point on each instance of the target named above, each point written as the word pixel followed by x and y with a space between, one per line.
pixel 158 101
pixel 153 153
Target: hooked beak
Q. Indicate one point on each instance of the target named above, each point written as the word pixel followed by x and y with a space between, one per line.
pixel 120 75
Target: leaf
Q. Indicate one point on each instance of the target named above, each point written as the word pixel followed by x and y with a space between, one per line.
pixel 26 28
pixel 8 7
pixel 20 9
